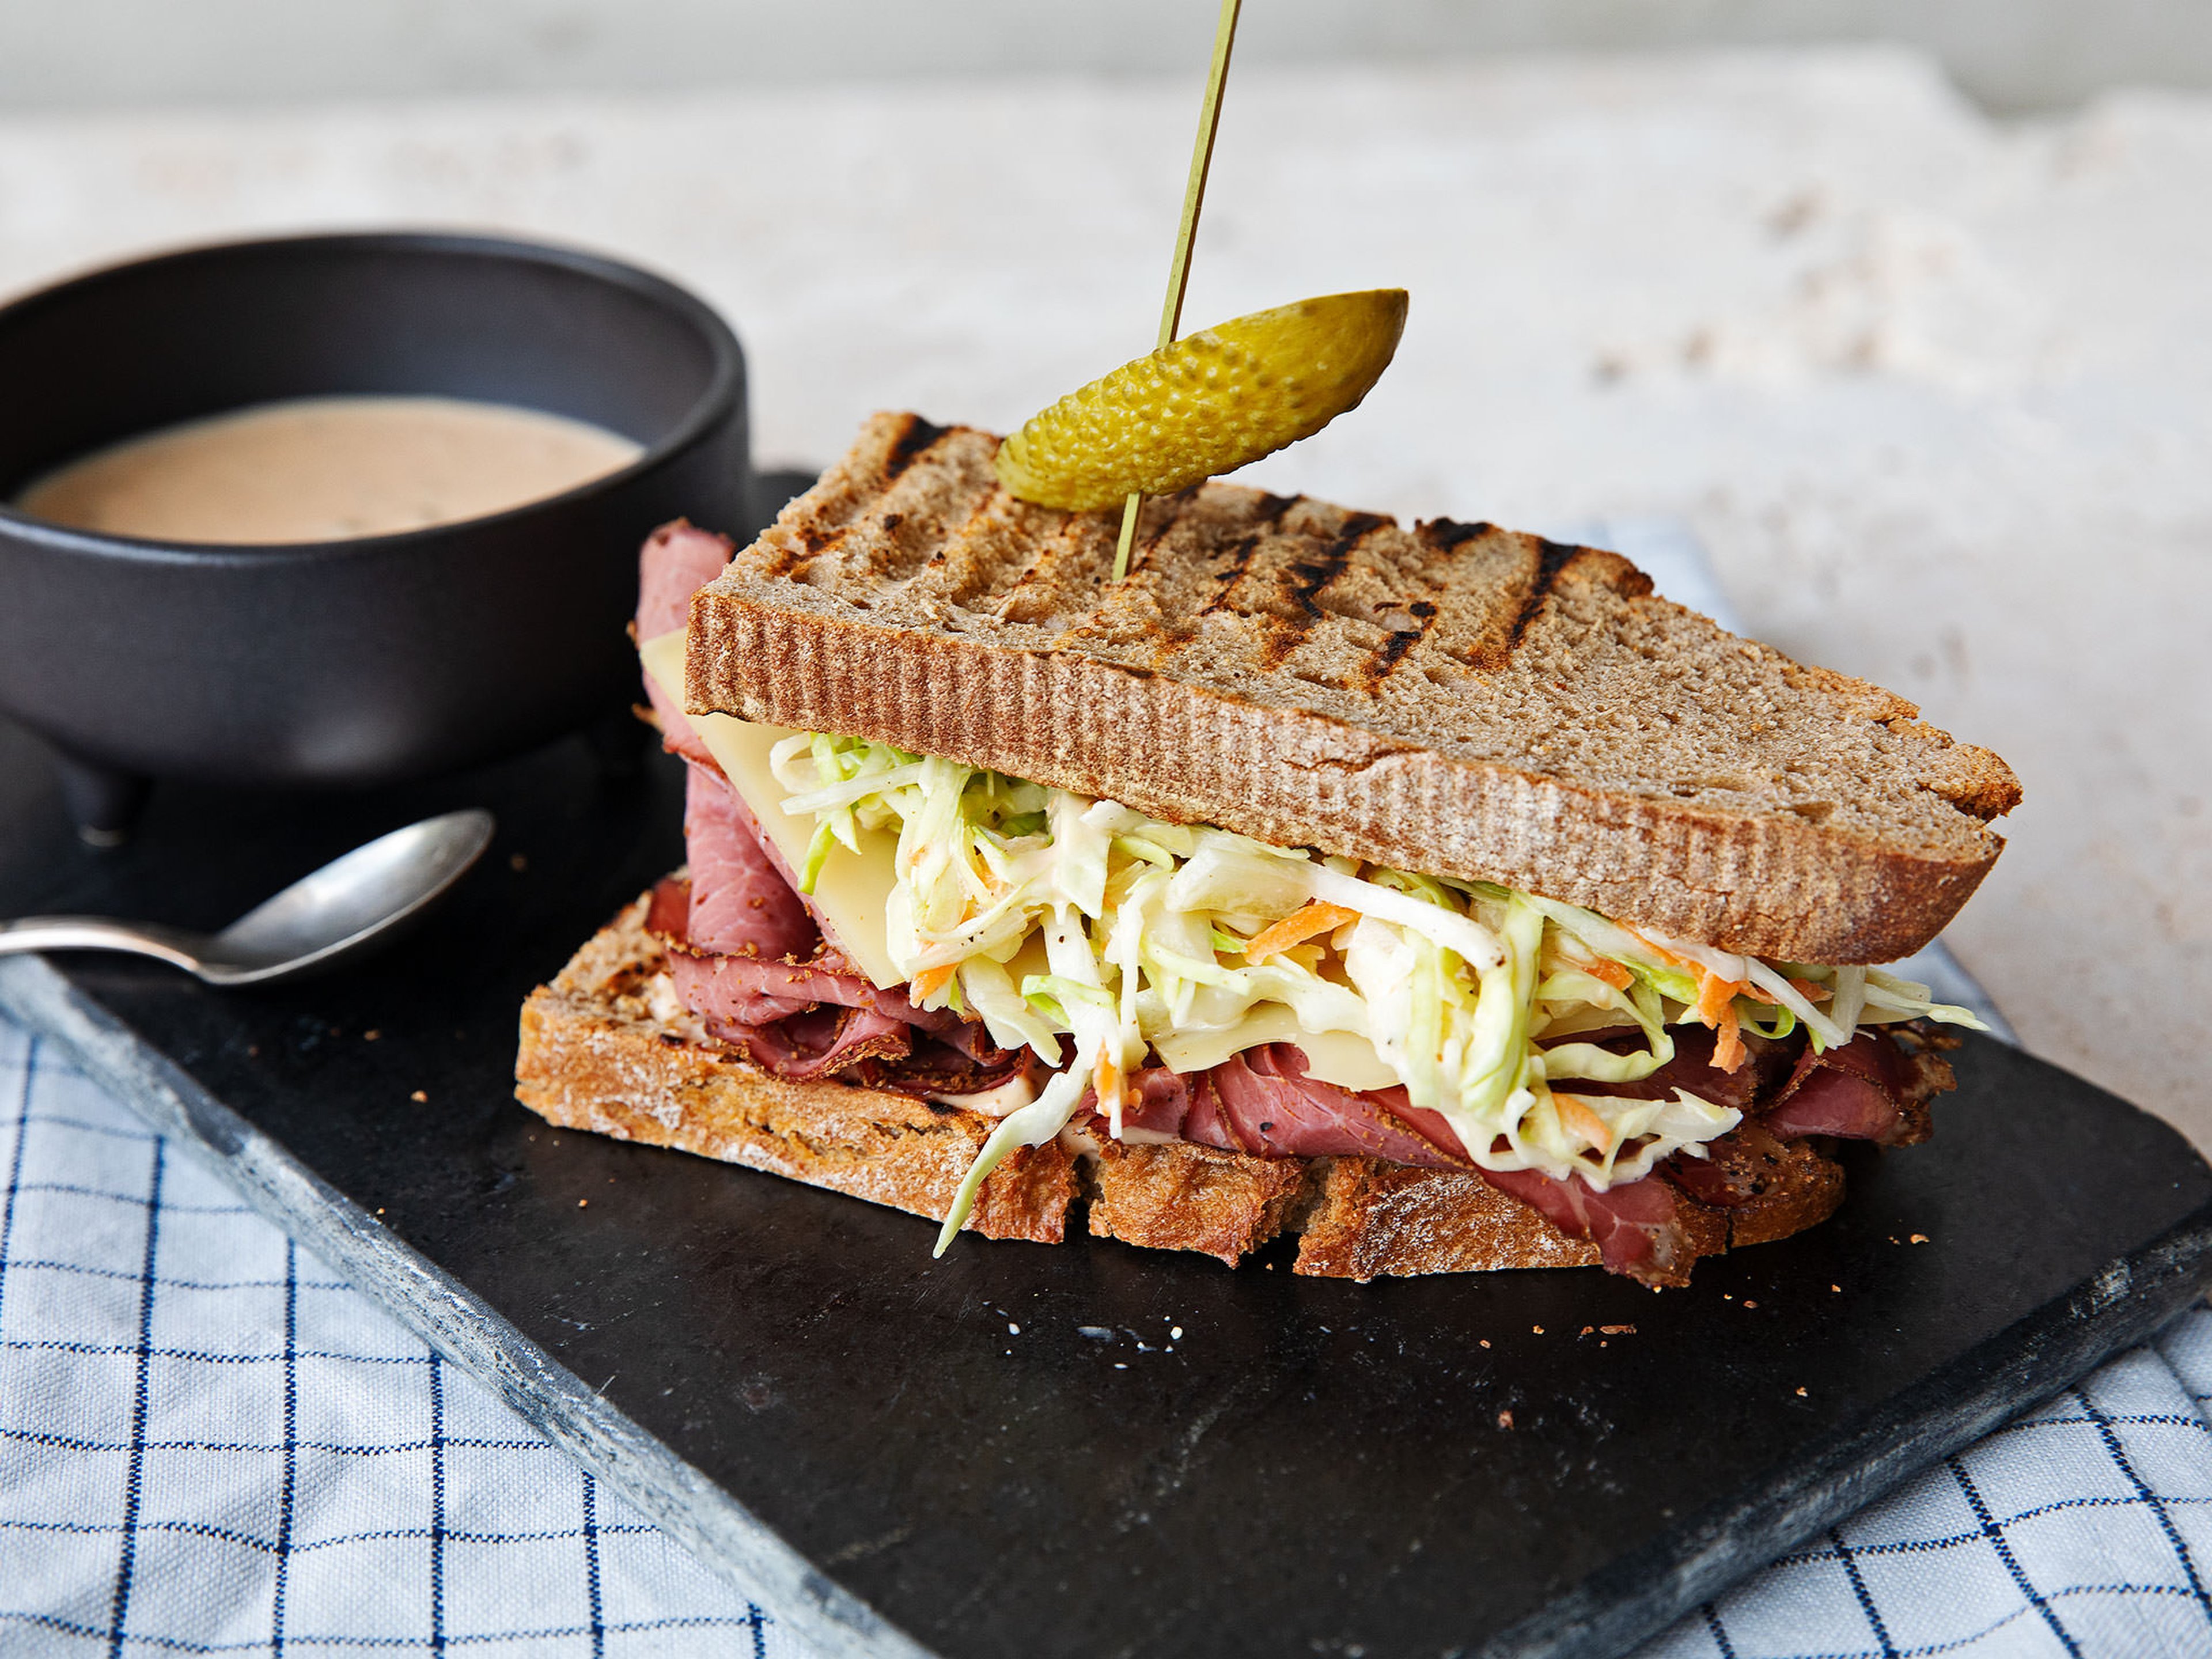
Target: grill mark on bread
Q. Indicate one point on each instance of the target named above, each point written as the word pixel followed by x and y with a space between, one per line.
pixel 1141 552
pixel 802 544
pixel 1445 535
pixel 917 437
pixel 809 537
pixel 1313 575
pixel 813 540
pixel 1307 579
pixel 1551 558
pixel 805 541
pixel 1267 513
pixel 1401 640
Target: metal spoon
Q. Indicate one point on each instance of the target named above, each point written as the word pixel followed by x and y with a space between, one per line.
pixel 339 910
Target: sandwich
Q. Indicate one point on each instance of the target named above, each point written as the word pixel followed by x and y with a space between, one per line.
pixel 1438 896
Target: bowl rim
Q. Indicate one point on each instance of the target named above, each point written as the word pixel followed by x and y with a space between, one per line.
pixel 725 383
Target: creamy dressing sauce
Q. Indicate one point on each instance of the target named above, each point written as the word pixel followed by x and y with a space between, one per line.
pixel 326 469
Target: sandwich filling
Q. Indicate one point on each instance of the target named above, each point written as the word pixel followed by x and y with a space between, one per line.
pixel 1108 944
pixel 1075 968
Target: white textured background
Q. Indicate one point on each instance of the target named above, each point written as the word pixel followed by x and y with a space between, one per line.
pixel 2011 54
pixel 1936 388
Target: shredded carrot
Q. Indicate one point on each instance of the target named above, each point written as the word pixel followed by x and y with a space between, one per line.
pixel 1583 1122
pixel 1717 1008
pixel 1106 1078
pixel 1716 995
pixel 1814 992
pixel 1612 973
pixel 1297 929
pixel 930 981
pixel 1729 1051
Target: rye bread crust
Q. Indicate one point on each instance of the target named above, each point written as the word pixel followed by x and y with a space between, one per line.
pixel 1454 698
pixel 607 1048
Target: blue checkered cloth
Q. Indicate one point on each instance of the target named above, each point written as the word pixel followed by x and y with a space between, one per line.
pixel 209 1443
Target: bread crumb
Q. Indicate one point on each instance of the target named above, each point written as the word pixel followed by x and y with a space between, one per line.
pixel 1618 1330
pixel 1838 1288
pixel 1012 1329
pixel 1485 1341
pixel 371 1035
pixel 1176 1335
pixel 1918 1238
pixel 1505 1419
pixel 1748 1302
pixel 517 863
pixel 1586 1330
pixel 1539 1329
pixel 1801 1395
pixel 420 1098
pixel 581 1202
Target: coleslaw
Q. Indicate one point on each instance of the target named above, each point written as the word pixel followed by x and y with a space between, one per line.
pixel 1089 932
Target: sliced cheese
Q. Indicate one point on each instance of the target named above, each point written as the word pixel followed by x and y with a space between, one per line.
pixel 1344 1058
pixel 853 888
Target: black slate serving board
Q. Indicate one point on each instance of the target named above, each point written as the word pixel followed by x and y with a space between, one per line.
pixel 865 1439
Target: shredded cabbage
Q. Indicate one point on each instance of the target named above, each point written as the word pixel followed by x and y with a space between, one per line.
pixel 1083 930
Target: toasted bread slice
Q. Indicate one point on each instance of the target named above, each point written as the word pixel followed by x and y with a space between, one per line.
pixel 607 1048
pixel 1454 699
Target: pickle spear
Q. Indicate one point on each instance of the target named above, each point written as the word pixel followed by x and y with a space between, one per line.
pixel 1208 404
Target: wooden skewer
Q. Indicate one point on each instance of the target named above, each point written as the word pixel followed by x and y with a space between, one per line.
pixel 1193 198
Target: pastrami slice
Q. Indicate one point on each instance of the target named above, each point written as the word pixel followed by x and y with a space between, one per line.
pixel 741 905
pixel 676 562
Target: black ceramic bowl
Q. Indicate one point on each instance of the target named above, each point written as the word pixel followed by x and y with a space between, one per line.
pixel 354 662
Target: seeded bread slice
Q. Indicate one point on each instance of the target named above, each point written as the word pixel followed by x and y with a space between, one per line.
pixel 1454 698
pixel 606 1047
